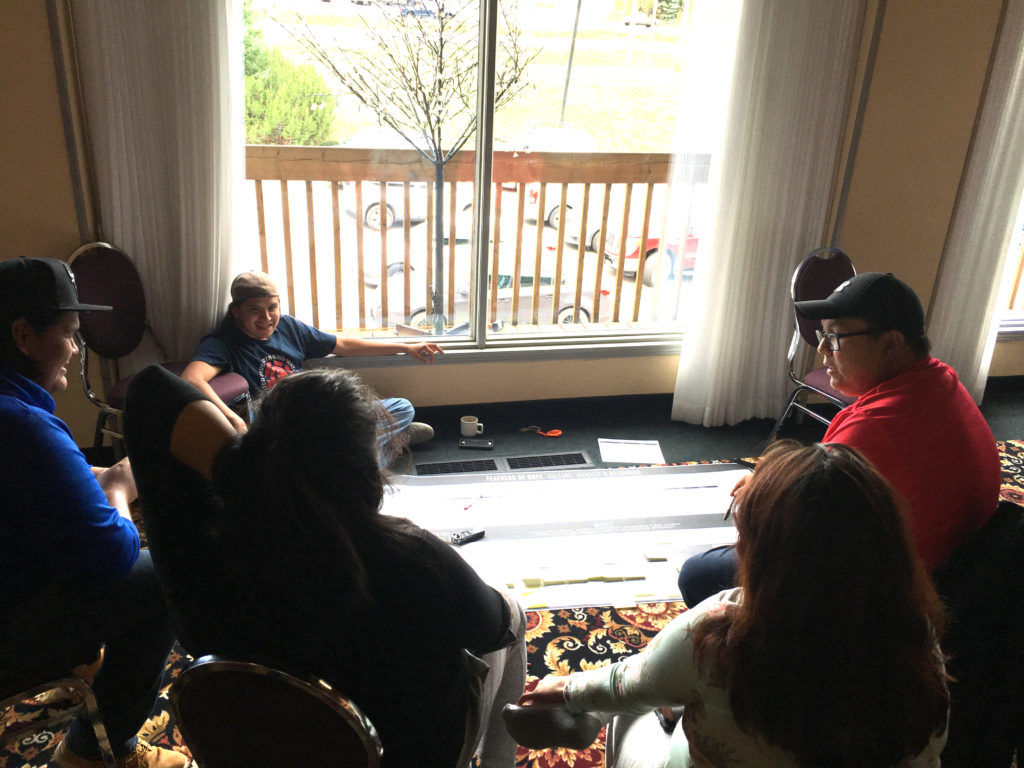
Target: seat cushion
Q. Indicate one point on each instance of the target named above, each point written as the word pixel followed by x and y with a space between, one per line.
pixel 229 386
pixel 818 378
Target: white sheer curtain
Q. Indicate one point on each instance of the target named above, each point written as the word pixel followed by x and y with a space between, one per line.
pixel 794 67
pixel 162 90
pixel 964 314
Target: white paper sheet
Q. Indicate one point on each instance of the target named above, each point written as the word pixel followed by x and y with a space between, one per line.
pixel 569 538
pixel 630 451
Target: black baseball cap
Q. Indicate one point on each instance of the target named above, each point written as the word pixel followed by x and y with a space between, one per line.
pixel 28 285
pixel 884 301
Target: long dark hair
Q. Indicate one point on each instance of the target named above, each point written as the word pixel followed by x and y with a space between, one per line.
pixel 312 481
pixel 831 654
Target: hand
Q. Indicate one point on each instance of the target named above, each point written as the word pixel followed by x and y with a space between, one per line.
pixel 549 692
pixel 237 422
pixel 424 351
pixel 740 483
pixel 118 483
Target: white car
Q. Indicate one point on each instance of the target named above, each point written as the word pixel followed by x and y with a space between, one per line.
pixel 544 290
pixel 376 217
pixel 551 215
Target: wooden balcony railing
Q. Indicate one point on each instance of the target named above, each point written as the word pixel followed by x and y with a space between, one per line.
pixel 1016 305
pixel 596 200
pixel 306 212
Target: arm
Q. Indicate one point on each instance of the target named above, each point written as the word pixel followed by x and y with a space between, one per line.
pixel 662 675
pixel 199 375
pixel 63 511
pixel 118 486
pixel 473 613
pixel 423 351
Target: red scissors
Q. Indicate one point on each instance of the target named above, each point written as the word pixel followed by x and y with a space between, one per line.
pixel 541 432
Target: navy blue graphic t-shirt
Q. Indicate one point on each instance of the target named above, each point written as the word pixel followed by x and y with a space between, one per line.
pixel 264 363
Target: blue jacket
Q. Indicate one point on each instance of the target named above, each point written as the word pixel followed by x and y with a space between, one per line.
pixel 54 517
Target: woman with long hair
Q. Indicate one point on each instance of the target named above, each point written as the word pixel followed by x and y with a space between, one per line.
pixel 272 547
pixel 826 655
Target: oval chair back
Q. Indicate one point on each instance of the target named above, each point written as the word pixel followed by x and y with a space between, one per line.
pixel 238 713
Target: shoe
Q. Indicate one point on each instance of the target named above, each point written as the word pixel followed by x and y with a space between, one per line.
pixel 144 756
pixel 419 432
pixel 545 727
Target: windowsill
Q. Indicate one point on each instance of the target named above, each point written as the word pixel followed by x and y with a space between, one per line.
pixel 463 351
pixel 1011 329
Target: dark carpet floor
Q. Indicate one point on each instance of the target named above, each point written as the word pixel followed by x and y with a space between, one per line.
pixel 647 417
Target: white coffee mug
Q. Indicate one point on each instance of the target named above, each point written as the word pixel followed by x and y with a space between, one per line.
pixel 471 426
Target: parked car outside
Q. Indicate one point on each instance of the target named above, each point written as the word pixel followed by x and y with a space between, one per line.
pixel 674 254
pixel 639 20
pixel 423 8
pixel 545 291
pixel 418 10
pixel 376 217
pixel 574 204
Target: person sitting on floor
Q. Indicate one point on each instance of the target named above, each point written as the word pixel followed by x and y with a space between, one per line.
pixel 272 546
pixel 73 575
pixel 826 654
pixel 912 419
pixel 263 345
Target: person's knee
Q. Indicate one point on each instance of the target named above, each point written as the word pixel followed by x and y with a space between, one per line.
pixel 704 574
pixel 401 410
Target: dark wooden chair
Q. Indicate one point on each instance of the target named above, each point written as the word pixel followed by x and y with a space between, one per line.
pixel 239 713
pixel 821 271
pixel 982 585
pixel 106 275
pixel 21 686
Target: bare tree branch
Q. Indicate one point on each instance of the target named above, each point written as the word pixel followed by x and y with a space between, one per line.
pixel 417 73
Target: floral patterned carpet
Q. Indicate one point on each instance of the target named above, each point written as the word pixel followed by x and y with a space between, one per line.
pixel 557 642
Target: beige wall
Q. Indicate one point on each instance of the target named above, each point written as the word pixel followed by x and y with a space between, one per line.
pixel 924 95
pixel 448 382
pixel 37 205
pixel 928 78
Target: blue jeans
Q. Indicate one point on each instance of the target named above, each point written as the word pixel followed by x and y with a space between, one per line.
pixel 402 413
pixel 64 624
pixel 708 574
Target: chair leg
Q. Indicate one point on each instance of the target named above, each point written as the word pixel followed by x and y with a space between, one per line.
pixel 98 728
pixel 785 413
pixel 101 423
pixel 117 437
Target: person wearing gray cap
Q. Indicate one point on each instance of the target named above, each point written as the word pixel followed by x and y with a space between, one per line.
pixel 74 577
pixel 912 419
pixel 259 342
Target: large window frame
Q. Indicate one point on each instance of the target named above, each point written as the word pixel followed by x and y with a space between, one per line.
pixel 591 343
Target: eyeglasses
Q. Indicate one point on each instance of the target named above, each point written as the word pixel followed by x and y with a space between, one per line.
pixel 833 338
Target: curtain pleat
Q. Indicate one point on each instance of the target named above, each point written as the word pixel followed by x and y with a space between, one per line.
pixel 793 73
pixel 964 316
pixel 162 91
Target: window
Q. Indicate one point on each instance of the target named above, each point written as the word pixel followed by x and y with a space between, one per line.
pixel 602 155
pixel 1014 317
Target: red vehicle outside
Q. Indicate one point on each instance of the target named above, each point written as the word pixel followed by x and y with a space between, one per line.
pixel 671 251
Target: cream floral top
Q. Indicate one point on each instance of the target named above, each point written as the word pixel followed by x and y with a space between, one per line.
pixel 665 674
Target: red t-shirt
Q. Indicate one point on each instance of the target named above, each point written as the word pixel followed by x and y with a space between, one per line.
pixel 925 435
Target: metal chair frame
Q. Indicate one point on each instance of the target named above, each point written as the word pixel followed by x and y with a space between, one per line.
pixel 321 692
pixel 86 702
pixel 111 374
pixel 803 387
